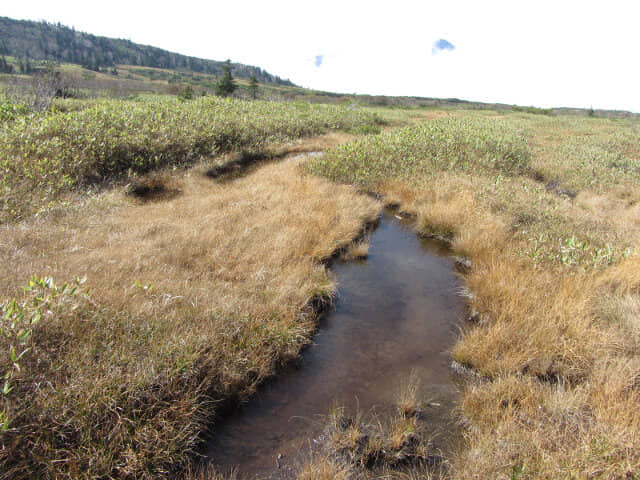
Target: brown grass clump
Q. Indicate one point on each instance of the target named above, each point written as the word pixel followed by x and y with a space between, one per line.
pixel 205 473
pixel 193 302
pixel 324 469
pixel 372 445
pixel 358 250
pixel 409 403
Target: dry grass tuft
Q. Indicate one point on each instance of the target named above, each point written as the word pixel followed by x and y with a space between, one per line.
pixel 324 469
pixel 358 250
pixel 205 473
pixel 371 445
pixel 409 404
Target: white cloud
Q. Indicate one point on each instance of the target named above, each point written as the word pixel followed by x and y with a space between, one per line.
pixel 442 45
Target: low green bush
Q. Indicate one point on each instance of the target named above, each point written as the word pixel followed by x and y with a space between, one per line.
pixel 469 144
pixel 46 155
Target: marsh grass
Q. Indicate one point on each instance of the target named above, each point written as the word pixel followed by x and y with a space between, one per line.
pixel 358 250
pixel 374 445
pixel 185 302
pixel 323 469
pixel 188 304
pixel 554 278
pixel 409 403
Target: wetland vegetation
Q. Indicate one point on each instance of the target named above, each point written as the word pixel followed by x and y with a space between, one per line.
pixel 546 208
pixel 129 322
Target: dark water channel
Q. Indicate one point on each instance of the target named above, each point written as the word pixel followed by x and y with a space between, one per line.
pixel 395 313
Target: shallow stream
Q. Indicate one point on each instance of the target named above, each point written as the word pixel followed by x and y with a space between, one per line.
pixel 396 313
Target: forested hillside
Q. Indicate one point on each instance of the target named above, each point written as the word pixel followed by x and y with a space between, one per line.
pixel 24 39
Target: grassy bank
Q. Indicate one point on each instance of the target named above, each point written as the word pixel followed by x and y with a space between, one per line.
pixel 178 301
pixel 45 156
pixel 193 302
pixel 547 210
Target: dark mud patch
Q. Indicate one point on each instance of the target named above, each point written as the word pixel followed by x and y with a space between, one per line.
pixel 554 186
pixel 153 188
pixel 238 165
pixel 558 189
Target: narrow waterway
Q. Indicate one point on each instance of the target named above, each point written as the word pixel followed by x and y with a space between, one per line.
pixel 396 313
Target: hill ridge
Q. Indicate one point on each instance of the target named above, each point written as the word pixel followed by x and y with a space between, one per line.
pixel 41 40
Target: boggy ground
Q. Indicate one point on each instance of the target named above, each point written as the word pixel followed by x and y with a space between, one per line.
pixel 546 209
pixel 189 301
pixel 198 292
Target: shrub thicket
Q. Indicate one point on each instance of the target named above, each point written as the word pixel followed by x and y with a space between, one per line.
pixel 449 144
pixel 45 155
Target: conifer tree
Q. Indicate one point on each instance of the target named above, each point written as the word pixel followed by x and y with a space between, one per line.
pixel 4 65
pixel 226 85
pixel 253 86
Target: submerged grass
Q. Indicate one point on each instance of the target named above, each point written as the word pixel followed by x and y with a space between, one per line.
pixel 373 445
pixel 547 211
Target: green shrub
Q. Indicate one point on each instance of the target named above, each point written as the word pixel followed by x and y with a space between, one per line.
pixel 49 154
pixel 10 111
pixel 448 144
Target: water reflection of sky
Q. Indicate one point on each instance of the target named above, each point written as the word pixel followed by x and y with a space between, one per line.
pixel 394 313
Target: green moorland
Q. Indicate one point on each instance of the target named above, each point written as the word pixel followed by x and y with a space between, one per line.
pixel 128 322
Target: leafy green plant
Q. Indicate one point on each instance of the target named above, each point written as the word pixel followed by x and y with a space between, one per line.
pixel 10 111
pixel 448 144
pixel 47 155
pixel 17 321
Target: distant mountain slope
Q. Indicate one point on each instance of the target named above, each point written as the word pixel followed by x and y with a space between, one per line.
pixel 48 41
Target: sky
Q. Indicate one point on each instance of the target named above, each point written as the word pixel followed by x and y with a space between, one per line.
pixel 539 53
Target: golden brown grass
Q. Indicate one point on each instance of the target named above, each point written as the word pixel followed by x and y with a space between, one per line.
pixel 368 450
pixel 559 343
pixel 358 250
pixel 323 469
pixel 378 445
pixel 555 286
pixel 194 300
pixel 409 402
pixel 205 473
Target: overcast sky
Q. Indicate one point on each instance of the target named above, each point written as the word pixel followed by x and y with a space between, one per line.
pixel 541 53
